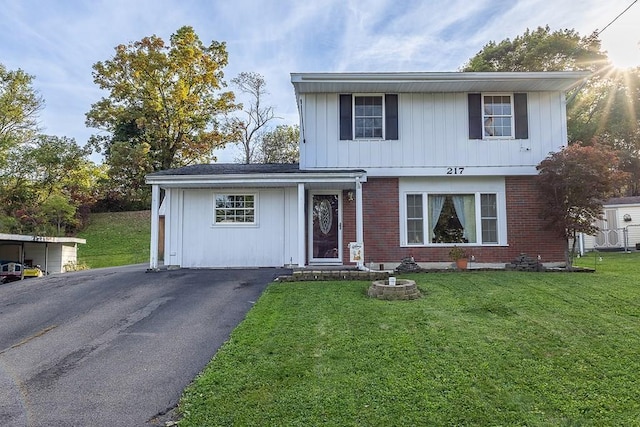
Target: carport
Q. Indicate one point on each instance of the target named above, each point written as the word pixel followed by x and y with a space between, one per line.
pixel 50 253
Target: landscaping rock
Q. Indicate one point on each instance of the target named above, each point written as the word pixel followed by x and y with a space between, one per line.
pixel 408 265
pixel 525 263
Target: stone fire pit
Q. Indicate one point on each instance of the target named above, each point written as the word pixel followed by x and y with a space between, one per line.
pixel 404 289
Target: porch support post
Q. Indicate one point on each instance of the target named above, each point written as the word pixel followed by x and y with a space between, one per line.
pixel 46 258
pixel 359 218
pixel 155 219
pixel 301 227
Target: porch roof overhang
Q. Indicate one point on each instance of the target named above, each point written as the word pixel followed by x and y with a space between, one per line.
pixel 421 82
pixel 253 175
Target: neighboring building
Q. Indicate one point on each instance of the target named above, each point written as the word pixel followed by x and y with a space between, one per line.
pixel 407 164
pixel 50 253
pixel 620 228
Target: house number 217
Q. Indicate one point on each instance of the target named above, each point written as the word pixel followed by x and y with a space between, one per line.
pixel 455 171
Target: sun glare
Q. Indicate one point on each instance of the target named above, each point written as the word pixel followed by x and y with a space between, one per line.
pixel 622 40
pixel 624 54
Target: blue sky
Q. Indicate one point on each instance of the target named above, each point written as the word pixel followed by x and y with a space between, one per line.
pixel 58 41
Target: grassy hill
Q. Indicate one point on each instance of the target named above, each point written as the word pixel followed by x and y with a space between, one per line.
pixel 115 238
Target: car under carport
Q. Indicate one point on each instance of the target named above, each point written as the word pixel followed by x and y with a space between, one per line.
pixel 50 253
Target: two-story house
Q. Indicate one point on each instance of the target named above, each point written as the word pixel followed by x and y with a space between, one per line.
pixel 403 164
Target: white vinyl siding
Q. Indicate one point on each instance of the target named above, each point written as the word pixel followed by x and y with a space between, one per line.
pixel 193 241
pixel 433 136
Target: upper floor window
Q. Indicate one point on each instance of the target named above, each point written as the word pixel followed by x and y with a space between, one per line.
pixel 500 116
pixel 497 116
pixel 235 208
pixel 368 116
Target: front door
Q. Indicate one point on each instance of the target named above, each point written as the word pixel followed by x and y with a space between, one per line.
pixel 325 233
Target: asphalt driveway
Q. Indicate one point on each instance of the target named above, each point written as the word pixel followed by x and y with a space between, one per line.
pixel 116 346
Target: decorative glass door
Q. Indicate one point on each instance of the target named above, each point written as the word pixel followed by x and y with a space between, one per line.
pixel 325 234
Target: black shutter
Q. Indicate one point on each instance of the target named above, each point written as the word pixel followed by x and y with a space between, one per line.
pixel 345 117
pixel 391 116
pixel 475 116
pixel 521 116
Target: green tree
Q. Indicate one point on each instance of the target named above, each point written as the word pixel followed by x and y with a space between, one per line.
pixel 280 145
pixel 608 110
pixel 51 160
pixel 575 183
pixel 541 50
pixel 125 187
pixel 60 212
pixel 165 97
pixel 37 176
pixel 20 105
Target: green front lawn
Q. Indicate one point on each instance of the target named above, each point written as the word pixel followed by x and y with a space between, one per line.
pixel 480 348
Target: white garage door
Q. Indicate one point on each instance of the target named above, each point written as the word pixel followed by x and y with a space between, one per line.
pixel 246 229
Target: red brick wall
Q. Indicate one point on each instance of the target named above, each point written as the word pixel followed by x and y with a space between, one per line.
pixel 525 230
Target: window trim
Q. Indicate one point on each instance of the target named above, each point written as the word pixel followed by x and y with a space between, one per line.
pixel 426 220
pixel 353 116
pixel 519 113
pixel 423 218
pixel 390 117
pixel 442 185
pixel 217 223
pixel 492 218
pixel 511 116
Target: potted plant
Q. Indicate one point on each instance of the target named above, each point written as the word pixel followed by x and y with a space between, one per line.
pixel 459 256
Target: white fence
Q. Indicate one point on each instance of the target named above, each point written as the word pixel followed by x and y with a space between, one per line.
pixel 626 238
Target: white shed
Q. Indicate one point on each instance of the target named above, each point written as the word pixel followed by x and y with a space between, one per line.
pixel 50 253
pixel 620 228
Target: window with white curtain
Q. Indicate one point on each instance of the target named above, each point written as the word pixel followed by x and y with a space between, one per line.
pixel 451 218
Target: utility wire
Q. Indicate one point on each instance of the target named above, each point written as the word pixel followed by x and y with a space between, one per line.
pixel 616 18
pixel 597 34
